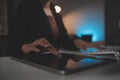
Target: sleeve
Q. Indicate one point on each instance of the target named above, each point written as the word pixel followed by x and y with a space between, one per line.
pixel 67 41
pixel 17 31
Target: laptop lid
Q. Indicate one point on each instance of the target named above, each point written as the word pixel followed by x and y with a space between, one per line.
pixel 69 63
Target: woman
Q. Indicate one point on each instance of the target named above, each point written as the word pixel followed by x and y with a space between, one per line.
pixel 34 22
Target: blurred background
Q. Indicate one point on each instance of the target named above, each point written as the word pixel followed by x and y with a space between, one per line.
pixel 90 20
pixel 84 17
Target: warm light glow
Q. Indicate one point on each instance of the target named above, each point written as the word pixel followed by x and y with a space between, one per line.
pixel 71 20
pixel 58 9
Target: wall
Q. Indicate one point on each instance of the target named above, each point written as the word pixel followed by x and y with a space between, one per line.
pixel 84 17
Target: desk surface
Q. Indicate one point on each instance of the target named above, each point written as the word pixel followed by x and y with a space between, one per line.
pixel 14 70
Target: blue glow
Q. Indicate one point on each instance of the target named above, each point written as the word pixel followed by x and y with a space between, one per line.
pixel 94 29
pixel 89 50
pixel 91 25
pixel 90 60
pixel 99 57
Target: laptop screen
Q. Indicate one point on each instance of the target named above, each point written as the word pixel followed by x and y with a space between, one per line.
pixel 69 63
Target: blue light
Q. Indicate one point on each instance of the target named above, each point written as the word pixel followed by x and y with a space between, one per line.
pixel 87 28
pixel 89 50
pixel 90 60
pixel 92 25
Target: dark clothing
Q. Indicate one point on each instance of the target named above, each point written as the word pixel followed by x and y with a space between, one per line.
pixel 30 23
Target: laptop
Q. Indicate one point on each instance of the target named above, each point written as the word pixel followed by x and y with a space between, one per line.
pixel 71 62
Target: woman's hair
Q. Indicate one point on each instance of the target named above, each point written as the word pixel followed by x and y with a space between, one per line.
pixel 43 2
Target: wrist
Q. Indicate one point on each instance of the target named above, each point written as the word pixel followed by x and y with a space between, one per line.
pixel 25 48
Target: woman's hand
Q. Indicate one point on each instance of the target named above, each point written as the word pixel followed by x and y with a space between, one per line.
pixel 81 44
pixel 27 48
pixel 84 45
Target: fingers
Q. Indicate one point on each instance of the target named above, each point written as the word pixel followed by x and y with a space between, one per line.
pixel 50 47
pixel 82 46
pixel 54 51
pixel 44 43
pixel 40 42
pixel 27 48
pixel 35 49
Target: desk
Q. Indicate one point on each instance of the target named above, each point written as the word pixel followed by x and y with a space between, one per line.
pixel 14 70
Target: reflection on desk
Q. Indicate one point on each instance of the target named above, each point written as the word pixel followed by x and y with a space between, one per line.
pixel 13 70
pixel 69 63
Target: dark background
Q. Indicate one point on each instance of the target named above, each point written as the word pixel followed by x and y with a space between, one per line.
pixel 112 21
